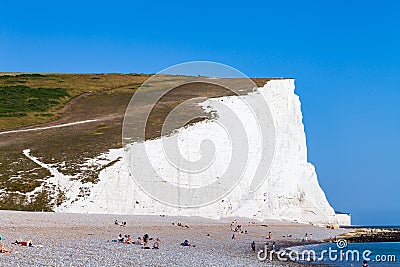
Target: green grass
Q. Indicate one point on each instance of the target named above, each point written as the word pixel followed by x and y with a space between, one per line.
pixel 74 84
pixel 18 100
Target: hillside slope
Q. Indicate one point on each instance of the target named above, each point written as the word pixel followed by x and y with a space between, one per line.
pixel 67 131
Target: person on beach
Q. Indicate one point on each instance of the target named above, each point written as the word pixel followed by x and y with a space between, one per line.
pixel 116 222
pixel 3 249
pixel 120 238
pixel 253 246
pixel 273 246
pixel 145 239
pixel 269 235
pixel 139 241
pixel 156 245
pixel 305 238
pixel 365 264
pixel 186 243
pixel 128 240
pixel 23 243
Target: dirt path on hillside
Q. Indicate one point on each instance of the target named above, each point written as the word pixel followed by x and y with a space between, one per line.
pixel 49 127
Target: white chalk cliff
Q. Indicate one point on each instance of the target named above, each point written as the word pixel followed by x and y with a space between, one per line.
pixel 290 191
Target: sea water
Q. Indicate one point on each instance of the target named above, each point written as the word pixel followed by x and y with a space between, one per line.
pixel 379 254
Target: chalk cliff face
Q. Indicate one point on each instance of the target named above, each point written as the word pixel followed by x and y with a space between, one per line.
pixel 290 191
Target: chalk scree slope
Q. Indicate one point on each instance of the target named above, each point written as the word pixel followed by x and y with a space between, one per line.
pixel 290 191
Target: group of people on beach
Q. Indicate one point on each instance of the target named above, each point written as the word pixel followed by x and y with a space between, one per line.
pixel 307 237
pixel 141 241
pixel 144 241
pixel 237 228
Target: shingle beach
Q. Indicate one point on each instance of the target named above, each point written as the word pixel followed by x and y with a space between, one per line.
pixel 86 240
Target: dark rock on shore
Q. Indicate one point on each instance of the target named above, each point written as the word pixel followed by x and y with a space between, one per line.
pixel 373 235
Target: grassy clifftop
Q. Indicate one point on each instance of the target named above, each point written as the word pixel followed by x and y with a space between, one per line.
pixel 29 99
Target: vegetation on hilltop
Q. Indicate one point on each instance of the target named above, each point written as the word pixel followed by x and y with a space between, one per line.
pixel 18 100
pixel 31 98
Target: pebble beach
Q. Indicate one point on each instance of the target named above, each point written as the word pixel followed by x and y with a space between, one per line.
pixel 62 239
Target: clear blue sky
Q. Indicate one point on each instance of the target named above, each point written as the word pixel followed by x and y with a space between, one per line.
pixel 344 55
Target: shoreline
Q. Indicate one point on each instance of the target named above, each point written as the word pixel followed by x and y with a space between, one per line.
pixel 359 238
pixel 367 235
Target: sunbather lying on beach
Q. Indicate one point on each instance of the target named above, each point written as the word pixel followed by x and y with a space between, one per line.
pixel 3 249
pixel 116 222
pixel 181 225
pixel 186 243
pixel 23 243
